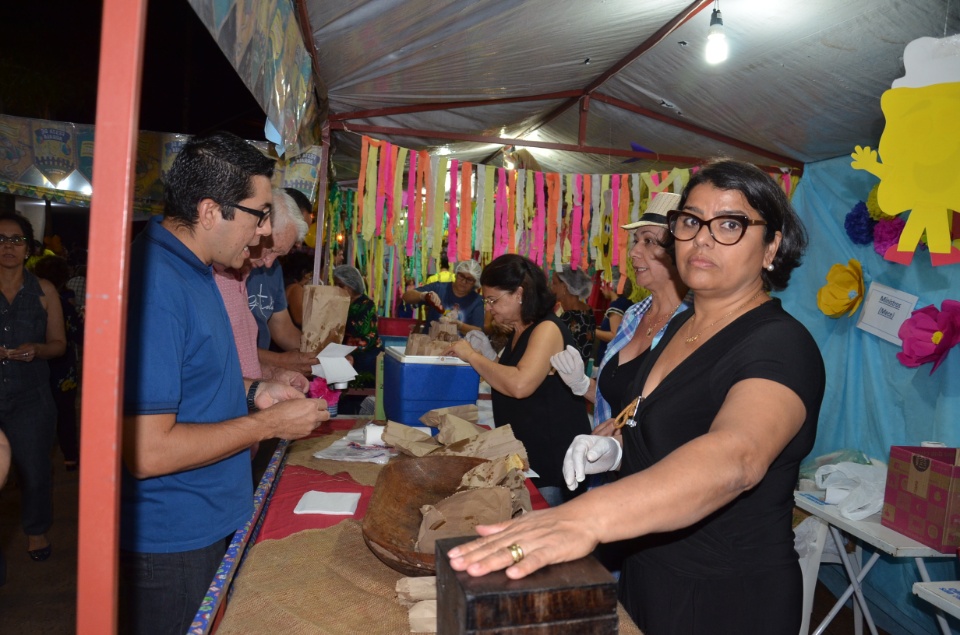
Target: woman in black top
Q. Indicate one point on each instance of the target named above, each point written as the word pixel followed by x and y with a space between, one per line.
pixel 544 414
pixel 728 407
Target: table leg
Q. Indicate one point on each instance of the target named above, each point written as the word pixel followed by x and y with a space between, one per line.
pixel 855 578
pixel 941 618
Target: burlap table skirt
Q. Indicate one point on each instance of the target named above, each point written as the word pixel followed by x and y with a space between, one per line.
pixel 323 581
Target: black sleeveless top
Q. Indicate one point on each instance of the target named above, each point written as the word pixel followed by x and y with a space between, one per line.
pixel 547 421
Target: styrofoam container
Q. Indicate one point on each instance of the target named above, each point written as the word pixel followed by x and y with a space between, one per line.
pixel 416 384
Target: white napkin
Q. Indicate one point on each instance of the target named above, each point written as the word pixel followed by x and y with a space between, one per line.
pixel 332 364
pixel 334 503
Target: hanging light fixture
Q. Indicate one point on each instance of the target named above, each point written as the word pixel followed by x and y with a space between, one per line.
pixel 717 48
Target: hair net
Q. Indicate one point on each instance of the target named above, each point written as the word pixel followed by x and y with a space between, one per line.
pixel 578 283
pixel 351 277
pixel 471 268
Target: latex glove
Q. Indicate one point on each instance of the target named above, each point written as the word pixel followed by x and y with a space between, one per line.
pixel 590 454
pixel 432 299
pixel 481 343
pixel 569 366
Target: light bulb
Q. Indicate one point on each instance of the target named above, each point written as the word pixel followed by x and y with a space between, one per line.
pixel 717 48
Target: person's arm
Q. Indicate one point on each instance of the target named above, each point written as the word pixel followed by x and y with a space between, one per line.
pixel 154 445
pixel 475 319
pixel 522 380
pixel 291 360
pixel 56 336
pixel 285 376
pixel 295 303
pixel 756 422
pixel 283 331
pixel 5 457
pixel 607 336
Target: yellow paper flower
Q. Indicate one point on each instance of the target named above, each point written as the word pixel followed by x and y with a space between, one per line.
pixel 843 292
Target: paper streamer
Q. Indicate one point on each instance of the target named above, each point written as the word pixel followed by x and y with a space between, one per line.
pixel 454 213
pixel 465 222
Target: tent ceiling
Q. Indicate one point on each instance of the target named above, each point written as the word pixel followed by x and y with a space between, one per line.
pixel 802 84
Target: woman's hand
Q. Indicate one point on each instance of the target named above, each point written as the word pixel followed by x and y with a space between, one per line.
pixel 607 429
pixel 23 353
pixel 461 349
pixel 544 537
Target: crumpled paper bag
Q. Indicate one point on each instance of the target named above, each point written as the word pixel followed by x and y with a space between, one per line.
pixel 856 490
pixel 507 471
pixel 491 444
pixel 459 515
pixel 408 440
pixel 455 423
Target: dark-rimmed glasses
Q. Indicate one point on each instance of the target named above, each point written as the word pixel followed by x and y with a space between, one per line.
pixel 261 214
pixel 726 229
pixel 16 241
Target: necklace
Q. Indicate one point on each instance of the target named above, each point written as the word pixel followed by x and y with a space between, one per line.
pixel 662 318
pixel 690 340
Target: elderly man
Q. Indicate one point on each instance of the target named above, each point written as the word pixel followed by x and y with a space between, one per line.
pixel 189 416
pixel 289 367
pixel 266 291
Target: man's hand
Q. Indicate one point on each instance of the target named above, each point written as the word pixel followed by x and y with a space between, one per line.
pixel 294 418
pixel 291 360
pixel 288 377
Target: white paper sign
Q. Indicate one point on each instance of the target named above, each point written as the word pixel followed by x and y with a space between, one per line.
pixel 884 310
pixel 333 365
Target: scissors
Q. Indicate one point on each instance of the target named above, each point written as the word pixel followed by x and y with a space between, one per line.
pixel 623 419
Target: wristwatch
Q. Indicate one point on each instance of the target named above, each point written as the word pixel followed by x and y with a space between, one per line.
pixel 251 394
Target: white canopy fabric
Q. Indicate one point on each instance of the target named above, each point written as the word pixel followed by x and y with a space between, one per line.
pixel 802 83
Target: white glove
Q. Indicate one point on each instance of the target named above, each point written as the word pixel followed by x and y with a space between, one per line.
pixel 590 454
pixel 481 343
pixel 569 366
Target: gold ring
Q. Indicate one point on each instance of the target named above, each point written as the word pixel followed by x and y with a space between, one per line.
pixel 516 552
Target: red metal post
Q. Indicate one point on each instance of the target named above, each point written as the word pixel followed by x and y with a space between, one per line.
pixel 118 107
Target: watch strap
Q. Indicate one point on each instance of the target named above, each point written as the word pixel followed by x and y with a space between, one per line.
pixel 251 394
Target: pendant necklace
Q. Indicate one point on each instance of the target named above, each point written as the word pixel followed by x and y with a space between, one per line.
pixel 662 318
pixel 690 340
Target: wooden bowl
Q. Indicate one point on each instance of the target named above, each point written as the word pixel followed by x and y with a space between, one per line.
pixel 393 517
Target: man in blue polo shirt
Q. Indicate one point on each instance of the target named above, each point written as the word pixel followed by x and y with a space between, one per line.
pixel 189 416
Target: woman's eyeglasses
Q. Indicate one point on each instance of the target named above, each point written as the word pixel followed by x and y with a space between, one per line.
pixel 261 214
pixel 16 241
pixel 726 229
pixel 491 301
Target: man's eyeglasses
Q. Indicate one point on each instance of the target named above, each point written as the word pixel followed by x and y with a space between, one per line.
pixel 726 229
pixel 491 301
pixel 261 214
pixel 16 241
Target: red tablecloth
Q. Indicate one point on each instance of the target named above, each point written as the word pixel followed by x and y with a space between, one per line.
pixel 296 480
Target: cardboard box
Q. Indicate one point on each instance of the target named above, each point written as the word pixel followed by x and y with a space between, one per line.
pixel 922 496
pixel 415 384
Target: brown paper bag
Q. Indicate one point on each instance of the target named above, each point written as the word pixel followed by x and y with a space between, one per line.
pixel 324 316
pixel 458 515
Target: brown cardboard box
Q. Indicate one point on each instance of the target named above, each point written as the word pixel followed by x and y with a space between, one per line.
pixel 922 496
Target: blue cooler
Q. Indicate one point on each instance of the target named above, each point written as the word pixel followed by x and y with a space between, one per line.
pixel 416 384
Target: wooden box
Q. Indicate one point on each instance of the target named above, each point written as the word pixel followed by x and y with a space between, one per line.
pixel 573 598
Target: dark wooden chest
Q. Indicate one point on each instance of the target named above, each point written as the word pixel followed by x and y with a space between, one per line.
pixel 575 598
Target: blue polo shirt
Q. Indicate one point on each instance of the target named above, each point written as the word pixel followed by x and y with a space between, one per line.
pixel 181 358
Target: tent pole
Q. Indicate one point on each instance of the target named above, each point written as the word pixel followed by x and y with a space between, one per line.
pixel 122 37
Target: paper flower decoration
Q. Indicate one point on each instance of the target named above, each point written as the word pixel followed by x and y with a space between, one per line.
pixel 928 334
pixel 843 292
pixel 859 225
pixel 873 207
pixel 320 390
pixel 886 234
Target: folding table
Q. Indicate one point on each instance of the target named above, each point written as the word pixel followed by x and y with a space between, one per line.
pixel 883 539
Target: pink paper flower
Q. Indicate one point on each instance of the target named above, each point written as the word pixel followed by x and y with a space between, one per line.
pixel 928 334
pixel 886 234
pixel 320 390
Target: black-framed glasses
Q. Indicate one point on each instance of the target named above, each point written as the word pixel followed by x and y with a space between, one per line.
pixel 261 214
pixel 16 241
pixel 462 277
pixel 726 229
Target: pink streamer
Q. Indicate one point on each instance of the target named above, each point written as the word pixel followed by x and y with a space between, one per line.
pixel 539 221
pixel 391 183
pixel 500 233
pixel 382 186
pixel 454 213
pixel 411 198
pixel 615 221
pixel 576 234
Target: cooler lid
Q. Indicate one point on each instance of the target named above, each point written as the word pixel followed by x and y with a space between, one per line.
pixel 396 352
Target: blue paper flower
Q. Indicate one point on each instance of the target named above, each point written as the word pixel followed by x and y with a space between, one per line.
pixel 859 225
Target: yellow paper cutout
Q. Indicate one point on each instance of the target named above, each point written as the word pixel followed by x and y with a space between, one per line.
pixel 920 148
pixel 843 292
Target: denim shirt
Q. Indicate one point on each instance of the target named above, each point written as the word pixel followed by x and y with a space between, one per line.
pixel 25 320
